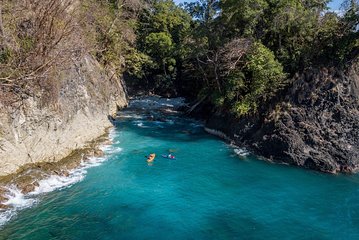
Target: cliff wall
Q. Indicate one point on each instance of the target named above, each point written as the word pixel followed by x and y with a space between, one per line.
pixel 55 92
pixel 32 131
pixel 316 126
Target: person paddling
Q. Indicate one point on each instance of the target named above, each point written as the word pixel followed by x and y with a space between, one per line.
pixel 169 156
pixel 151 158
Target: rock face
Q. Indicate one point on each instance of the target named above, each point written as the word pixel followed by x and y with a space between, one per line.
pixel 316 126
pixel 32 131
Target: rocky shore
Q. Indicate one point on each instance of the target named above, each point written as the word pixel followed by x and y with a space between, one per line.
pixel 315 126
pixel 27 179
pixel 38 141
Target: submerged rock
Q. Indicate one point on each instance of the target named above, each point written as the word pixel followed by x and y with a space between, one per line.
pixel 65 173
pixel 26 188
pixel 3 193
pixel 3 207
pixel 98 153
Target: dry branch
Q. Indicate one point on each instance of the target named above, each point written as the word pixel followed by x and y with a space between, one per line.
pixel 39 43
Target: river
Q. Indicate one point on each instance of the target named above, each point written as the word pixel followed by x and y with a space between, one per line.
pixel 210 191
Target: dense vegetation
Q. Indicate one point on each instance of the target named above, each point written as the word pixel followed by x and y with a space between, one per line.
pixel 39 39
pixel 238 54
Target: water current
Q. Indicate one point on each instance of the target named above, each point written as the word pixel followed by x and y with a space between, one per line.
pixel 211 190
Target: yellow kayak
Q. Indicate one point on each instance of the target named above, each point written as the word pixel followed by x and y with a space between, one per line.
pixel 151 157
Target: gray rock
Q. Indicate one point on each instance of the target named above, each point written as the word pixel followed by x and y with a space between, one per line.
pixel 316 126
pixel 32 132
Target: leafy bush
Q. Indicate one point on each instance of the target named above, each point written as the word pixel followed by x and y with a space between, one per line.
pixel 256 82
pixel 161 33
pixel 137 62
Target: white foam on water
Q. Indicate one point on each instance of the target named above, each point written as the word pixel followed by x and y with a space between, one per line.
pixel 105 148
pixel 140 124
pixel 109 150
pixel 131 116
pixel 242 152
pixel 17 200
pixel 155 102
pixel 113 150
pixel 93 162
pixel 5 217
pixel 112 134
pixel 55 182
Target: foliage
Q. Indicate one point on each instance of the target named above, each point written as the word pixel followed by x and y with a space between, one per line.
pixel 32 46
pixel 236 54
pixel 136 63
pixel 243 17
pixel 348 43
pixel 160 47
pixel 244 50
pixel 40 38
pixel 266 79
pixel 161 35
pixel 105 27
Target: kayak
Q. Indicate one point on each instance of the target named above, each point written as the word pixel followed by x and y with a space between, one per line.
pixel 151 157
pixel 166 156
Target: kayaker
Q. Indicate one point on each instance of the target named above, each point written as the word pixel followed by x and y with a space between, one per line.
pixel 151 157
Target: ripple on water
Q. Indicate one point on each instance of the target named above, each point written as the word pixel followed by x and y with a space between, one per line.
pixel 208 192
pixel 18 201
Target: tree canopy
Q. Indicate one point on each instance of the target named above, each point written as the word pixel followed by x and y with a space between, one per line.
pixel 240 53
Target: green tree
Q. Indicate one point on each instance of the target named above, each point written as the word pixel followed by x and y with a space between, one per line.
pixel 238 53
pixel 243 17
pixel 254 82
pixel 287 27
pixel 162 33
pixel 348 44
pixel 160 47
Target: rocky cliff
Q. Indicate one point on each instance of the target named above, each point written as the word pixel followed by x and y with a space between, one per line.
pixel 316 126
pixel 58 90
pixel 32 131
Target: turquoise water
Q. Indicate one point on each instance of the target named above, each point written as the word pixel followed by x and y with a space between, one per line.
pixel 208 192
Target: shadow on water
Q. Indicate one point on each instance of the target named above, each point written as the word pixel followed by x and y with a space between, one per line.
pixel 170 128
pixel 230 226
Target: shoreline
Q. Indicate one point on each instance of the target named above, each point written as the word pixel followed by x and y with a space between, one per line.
pixel 243 151
pixel 19 190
